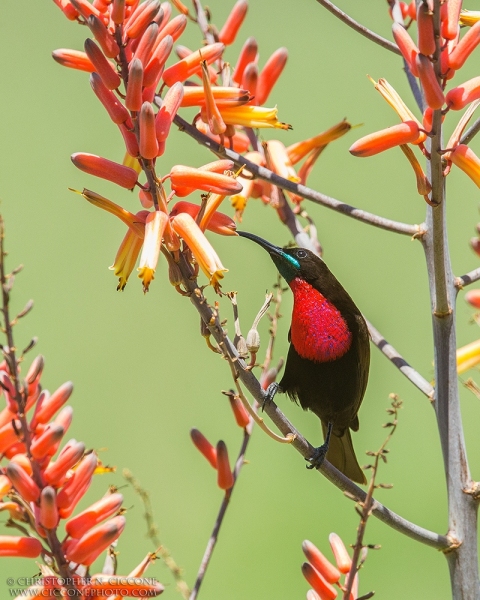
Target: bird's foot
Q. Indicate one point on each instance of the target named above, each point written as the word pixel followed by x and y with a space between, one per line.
pixel 270 392
pixel 318 456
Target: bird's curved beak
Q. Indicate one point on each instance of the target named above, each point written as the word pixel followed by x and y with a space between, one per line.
pixel 270 248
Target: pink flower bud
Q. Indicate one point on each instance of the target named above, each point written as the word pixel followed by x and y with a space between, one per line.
pixel 146 45
pixel 48 404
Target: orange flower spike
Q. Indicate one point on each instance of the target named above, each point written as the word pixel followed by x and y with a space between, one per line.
pixel 173 28
pixel 299 150
pixel 205 447
pixel 93 515
pixel 270 73
pixel 320 563
pixel 103 67
pixel 22 482
pixel 247 55
pixel 466 160
pixel 69 456
pixel 118 12
pixel 473 297
pixel 250 81
pixel 465 47
pixel 252 116
pixel 199 179
pixel 280 161
pixel 423 185
pixel 153 70
pixel 133 98
pixel 468 357
pixel 426 36
pixel 93 543
pixel 9 435
pixel 42 444
pixel 85 8
pixel 26 547
pixel 224 474
pixel 453 16
pixel 148 140
pixel 342 558
pixel 73 59
pixel 144 14
pixel 106 169
pixel 116 111
pixel 190 64
pixel 106 40
pixel 131 220
pixel 318 583
pixel 126 258
pixel 185 226
pixel 234 21
pixel 81 477
pixel 48 508
pixel 154 228
pixel 239 411
pixel 406 45
pixel 146 44
pixel 170 104
pixel 67 9
pixel 458 97
pixel 374 143
pixel 213 116
pixel 133 587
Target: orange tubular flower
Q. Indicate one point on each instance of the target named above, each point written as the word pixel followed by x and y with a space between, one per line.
pixel 465 47
pixel 320 563
pixel 27 547
pixel 143 15
pixel 239 411
pixel 318 583
pixel 126 257
pixel 182 177
pixel 73 59
pixel 187 67
pixel 213 116
pixel 457 98
pixel 148 141
pixel 224 474
pixel 116 111
pixel 93 515
pixel 247 55
pixel 106 169
pixel 173 28
pixel 131 220
pixel 426 36
pixel 133 99
pixel 473 297
pixel 93 543
pixel 299 150
pixel 205 447
pixel 103 36
pixel 102 66
pixel 251 116
pixel 182 52
pixel 466 160
pixel 377 142
pixel 234 21
pixel 67 9
pixel 22 482
pixel 342 558
pixel 9 435
pixel 453 16
pixel 431 88
pixel 407 46
pixel 154 228
pixel 423 185
pixel 48 508
pixel 153 70
pixel 43 444
pixel 270 73
pixel 80 478
pixel 170 104
pixel 146 44
pixel 68 457
pixel 217 222
pixel 184 225
pixel 250 81
pixel 280 161
pixel 223 96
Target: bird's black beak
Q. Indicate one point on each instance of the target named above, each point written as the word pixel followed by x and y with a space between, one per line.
pixel 270 248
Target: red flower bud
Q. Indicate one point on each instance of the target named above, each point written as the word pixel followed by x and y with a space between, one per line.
pixel 106 40
pixel 148 140
pixel 68 457
pixel 458 97
pixel 473 296
pixel 147 42
pixel 116 111
pixel 270 73
pixel 22 482
pixel 342 558
pixel 144 14
pixel 106 169
pixel 82 476
pixel 133 99
pixel 205 447
pixel 321 564
pixel 42 444
pixel 168 110
pixel 403 133
pixel 225 476
pixel 27 547
pixel 93 543
pixel 453 14
pixel 318 583
pixel 247 55
pixel 426 37
pixel 431 88
pixel 406 45
pixel 465 47
pixel 93 515
pixel 73 59
pixel 153 70
pixel 48 508
pixel 189 65
pixel 103 67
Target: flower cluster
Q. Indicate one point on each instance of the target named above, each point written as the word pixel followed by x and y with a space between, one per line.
pixel 322 575
pixel 434 59
pixel 42 483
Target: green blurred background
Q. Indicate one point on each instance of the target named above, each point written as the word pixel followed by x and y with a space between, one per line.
pixel 143 375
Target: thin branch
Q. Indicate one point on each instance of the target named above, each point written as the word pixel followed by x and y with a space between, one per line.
pixel 296 188
pixel 467 279
pixel 202 22
pixel 218 523
pixel 397 359
pixel 390 518
pixel 471 132
pixel 359 28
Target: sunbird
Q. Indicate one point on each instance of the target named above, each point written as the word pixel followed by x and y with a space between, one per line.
pixel 329 355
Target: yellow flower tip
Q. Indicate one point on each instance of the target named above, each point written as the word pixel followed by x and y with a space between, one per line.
pixel 372 80
pixel 468 357
pixel 132 162
pixel 147 275
pixel 126 258
pixel 155 225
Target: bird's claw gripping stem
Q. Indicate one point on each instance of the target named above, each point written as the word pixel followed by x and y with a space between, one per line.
pixel 270 392
pixel 318 456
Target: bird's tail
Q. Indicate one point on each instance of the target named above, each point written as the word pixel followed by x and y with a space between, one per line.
pixel 342 456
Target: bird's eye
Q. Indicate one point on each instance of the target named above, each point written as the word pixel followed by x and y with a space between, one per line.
pixel 301 254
